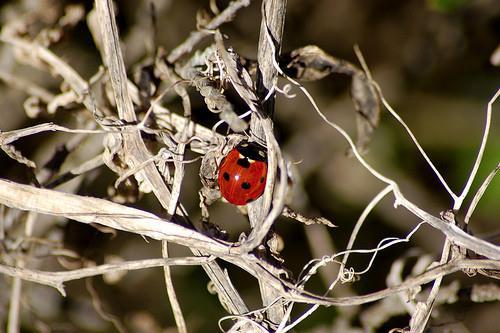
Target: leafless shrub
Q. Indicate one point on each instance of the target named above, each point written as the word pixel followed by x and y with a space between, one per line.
pixel 135 133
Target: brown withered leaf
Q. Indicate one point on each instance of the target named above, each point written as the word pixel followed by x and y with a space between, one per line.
pixel 15 154
pixel 310 63
pixel 238 75
pixel 367 105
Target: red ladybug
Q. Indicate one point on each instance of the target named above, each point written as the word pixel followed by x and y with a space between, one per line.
pixel 242 173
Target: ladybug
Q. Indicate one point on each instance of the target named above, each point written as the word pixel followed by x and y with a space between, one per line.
pixel 242 173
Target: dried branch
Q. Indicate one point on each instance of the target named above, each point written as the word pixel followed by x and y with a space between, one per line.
pixel 172 297
pixel 195 37
pixel 272 23
pixel 480 193
pixel 13 323
pixel 174 198
pixel 93 210
pixel 57 279
pixel 12 136
pixel 135 147
pixel 38 53
pixel 290 213
pixel 428 276
pixel 479 158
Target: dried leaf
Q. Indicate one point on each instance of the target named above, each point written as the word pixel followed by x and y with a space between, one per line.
pixel 310 63
pixel 367 105
pixel 16 155
pixel 210 88
pixel 238 75
pixel 290 213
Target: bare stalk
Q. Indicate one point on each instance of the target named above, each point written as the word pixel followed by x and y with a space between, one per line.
pixel 472 175
pixel 272 23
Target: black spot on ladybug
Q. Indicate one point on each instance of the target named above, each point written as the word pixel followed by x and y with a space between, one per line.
pixel 226 176
pixel 245 186
pixel 262 179
pixel 244 163
pixel 249 200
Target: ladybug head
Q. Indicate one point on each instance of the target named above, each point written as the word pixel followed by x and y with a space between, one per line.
pixel 252 150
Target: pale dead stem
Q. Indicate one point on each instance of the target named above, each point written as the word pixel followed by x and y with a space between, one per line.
pixel 136 149
pixel 57 279
pixel 480 193
pixel 13 323
pixel 261 213
pixel 174 198
pixel 172 297
pixel 410 283
pixel 196 36
pixel 94 210
pixel 11 136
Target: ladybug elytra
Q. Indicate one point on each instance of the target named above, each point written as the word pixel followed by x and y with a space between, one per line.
pixel 242 173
